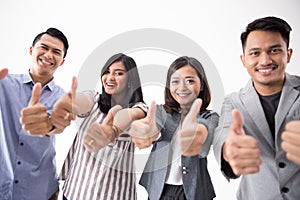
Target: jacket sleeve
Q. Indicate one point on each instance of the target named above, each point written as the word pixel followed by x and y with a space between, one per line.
pixel 221 131
pixel 210 121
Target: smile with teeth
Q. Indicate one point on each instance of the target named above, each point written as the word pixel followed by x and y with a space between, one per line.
pixel 46 62
pixel 110 84
pixel 265 70
pixel 183 94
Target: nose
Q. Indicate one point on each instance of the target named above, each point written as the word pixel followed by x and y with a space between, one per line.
pixel 111 76
pixel 265 59
pixel 48 54
pixel 182 86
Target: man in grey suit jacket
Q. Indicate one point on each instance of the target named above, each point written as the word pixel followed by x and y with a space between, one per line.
pixel 258 132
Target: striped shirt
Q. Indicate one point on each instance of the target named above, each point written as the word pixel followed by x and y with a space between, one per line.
pixel 107 174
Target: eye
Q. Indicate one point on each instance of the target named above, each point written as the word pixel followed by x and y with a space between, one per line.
pixel 43 47
pixel 254 53
pixel 57 53
pixel 119 73
pixel 190 81
pixel 174 82
pixel 275 50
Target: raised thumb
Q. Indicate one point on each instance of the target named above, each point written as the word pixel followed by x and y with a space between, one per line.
pixel 151 114
pixel 193 112
pixel 111 113
pixel 238 122
pixel 35 95
pixel 73 89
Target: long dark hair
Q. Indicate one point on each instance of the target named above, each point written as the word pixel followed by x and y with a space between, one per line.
pixel 134 92
pixel 170 102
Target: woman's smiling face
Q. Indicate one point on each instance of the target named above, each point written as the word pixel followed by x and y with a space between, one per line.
pixel 115 80
pixel 185 86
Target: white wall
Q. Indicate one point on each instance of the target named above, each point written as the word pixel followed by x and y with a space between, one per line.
pixel 214 25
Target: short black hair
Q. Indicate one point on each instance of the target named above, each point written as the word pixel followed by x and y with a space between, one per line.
pixel 269 23
pixel 54 33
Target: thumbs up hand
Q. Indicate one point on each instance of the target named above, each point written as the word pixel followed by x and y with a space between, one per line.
pixel 99 135
pixel 240 150
pixel 291 141
pixel 192 135
pixel 3 73
pixel 64 109
pixel 34 117
pixel 144 131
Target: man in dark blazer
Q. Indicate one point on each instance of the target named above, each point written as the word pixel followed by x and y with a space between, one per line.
pixel 257 136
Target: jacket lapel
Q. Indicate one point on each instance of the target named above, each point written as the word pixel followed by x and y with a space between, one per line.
pixel 254 108
pixel 288 96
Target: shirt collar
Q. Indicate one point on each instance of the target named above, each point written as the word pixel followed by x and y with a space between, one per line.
pixel 26 79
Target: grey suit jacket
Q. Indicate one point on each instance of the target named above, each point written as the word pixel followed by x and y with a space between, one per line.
pixel 196 180
pixel 278 177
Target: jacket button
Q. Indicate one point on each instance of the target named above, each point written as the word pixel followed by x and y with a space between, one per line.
pixel 184 169
pixel 281 165
pixel 285 190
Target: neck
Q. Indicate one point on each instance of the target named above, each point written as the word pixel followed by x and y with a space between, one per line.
pixel 119 99
pixel 40 79
pixel 267 90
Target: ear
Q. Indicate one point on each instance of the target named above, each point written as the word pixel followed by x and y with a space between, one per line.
pixel 289 55
pixel 30 50
pixel 62 62
pixel 242 57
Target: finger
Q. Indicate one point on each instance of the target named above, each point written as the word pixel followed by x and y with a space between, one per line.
pixel 291 137
pixel 293 126
pixel 3 73
pixel 73 87
pixel 151 114
pixel 192 115
pixel 111 113
pixel 36 93
pixel 238 122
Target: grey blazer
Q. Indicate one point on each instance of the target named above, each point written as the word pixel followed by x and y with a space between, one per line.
pixel 196 180
pixel 278 178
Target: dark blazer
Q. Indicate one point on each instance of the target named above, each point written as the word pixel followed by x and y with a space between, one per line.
pixel 196 179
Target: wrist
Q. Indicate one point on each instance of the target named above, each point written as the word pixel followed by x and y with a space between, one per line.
pixel 52 129
pixel 113 139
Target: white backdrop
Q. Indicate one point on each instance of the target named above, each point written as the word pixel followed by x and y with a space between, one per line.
pixel 214 25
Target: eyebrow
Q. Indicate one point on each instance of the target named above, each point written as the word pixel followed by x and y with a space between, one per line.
pixel 178 77
pixel 55 49
pixel 271 47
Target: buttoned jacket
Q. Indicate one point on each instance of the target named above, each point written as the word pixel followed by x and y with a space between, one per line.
pixel 196 179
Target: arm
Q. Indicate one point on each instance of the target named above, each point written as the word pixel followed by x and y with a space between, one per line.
pixel 240 150
pixel 232 146
pixel 115 123
pixel 125 117
pixel 69 105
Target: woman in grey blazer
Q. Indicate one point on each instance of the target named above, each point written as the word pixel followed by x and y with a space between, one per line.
pixel 177 165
